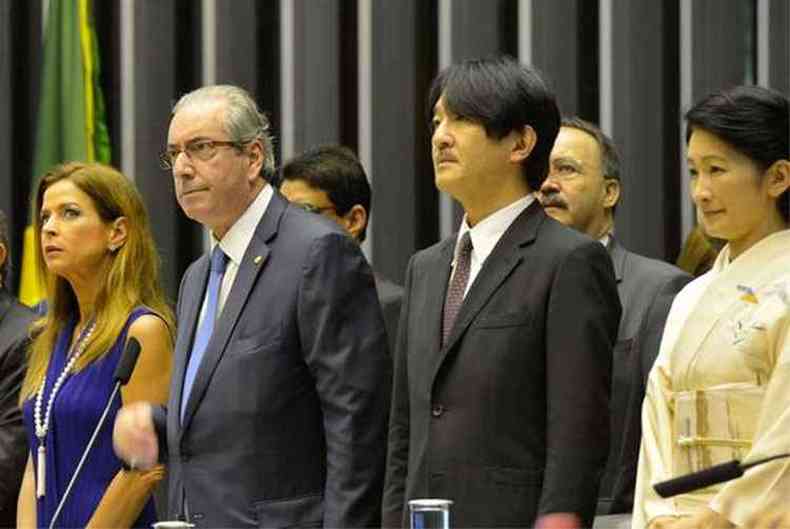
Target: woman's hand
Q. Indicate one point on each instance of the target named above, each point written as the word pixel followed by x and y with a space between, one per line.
pixel 777 517
pixel 662 522
pixel 705 519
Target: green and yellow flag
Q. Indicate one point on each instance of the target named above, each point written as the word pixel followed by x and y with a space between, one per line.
pixel 71 122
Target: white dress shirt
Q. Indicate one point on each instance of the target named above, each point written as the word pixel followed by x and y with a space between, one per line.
pixel 235 243
pixel 486 234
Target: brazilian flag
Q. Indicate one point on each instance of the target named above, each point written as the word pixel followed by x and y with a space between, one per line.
pixel 71 120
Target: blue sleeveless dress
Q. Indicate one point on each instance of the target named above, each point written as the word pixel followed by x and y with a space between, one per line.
pixel 76 411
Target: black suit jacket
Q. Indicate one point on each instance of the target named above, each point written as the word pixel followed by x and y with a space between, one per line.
pixel 390 298
pixel 15 320
pixel 286 421
pixel 510 418
pixel 646 288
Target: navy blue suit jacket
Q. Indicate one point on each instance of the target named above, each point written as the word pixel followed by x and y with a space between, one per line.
pixel 286 422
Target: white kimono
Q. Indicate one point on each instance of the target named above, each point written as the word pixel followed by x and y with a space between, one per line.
pixel 720 388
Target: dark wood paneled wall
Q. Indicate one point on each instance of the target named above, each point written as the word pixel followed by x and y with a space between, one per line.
pixel 178 45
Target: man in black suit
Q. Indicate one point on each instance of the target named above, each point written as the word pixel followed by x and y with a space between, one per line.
pixel 501 385
pixel 582 191
pixel 15 320
pixel 278 405
pixel 331 181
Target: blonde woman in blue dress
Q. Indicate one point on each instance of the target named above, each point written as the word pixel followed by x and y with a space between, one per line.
pixel 99 260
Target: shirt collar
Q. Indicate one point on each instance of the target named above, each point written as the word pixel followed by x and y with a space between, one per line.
pixel 486 234
pixel 238 237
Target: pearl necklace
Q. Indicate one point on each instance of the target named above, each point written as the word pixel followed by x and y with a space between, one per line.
pixel 42 426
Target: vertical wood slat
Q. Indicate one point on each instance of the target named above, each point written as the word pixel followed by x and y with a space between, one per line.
pixel 23 51
pixel 154 86
pixel 165 60
pixel 6 126
pixel 400 70
pixel 558 58
pixel 643 95
pixel 773 50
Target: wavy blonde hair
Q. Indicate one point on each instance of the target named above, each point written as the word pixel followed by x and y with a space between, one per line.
pixel 129 277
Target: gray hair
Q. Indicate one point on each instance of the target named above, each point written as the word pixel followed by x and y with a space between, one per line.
pixel 242 120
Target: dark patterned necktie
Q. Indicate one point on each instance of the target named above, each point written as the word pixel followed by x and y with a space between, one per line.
pixel 457 287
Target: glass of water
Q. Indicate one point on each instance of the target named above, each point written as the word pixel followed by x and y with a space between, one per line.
pixel 430 513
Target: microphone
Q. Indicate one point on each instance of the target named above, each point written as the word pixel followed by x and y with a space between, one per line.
pixel 709 476
pixel 123 371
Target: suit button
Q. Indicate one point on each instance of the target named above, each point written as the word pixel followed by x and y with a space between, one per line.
pixel 437 410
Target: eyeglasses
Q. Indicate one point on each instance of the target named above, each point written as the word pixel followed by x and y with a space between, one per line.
pixel 202 150
pixel 311 208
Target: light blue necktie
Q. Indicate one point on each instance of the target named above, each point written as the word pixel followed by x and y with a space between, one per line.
pixel 206 328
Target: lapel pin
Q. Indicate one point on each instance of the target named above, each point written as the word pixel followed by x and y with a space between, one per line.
pixel 257 260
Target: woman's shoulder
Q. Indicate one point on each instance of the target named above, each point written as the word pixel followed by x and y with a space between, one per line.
pixel 147 327
pixel 145 324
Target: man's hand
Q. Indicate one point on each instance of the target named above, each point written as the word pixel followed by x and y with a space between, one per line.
pixel 134 438
pixel 559 520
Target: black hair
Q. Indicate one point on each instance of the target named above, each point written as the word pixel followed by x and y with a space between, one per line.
pixel 336 170
pixel 753 120
pixel 502 95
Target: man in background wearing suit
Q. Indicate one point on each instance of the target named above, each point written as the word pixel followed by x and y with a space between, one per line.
pixel 278 405
pixel 15 320
pixel 330 180
pixel 501 385
pixel 582 191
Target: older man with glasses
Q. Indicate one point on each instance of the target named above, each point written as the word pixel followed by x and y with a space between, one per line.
pixel 279 401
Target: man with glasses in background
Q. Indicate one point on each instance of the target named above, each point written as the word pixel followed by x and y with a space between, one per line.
pixel 582 191
pixel 278 405
pixel 330 180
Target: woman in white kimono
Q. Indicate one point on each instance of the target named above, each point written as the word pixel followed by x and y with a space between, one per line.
pixel 720 387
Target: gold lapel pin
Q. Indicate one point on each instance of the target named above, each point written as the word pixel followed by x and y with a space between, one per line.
pixel 258 260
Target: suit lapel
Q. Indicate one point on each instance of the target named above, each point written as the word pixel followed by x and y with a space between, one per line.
pixel 618 255
pixel 193 299
pixel 253 263
pixel 507 254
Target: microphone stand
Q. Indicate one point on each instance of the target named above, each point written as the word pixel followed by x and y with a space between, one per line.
pixel 123 372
